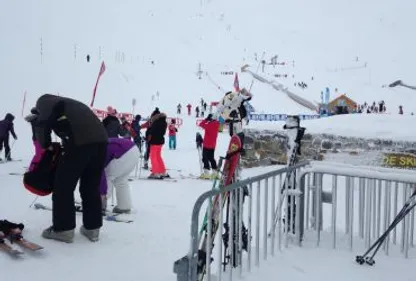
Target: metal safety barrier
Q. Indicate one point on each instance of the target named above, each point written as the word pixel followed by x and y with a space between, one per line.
pixel 255 216
pixel 362 201
pixel 343 201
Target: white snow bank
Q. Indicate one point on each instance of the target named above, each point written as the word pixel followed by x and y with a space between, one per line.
pixel 382 126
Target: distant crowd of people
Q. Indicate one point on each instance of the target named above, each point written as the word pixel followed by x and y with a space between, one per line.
pixel 200 109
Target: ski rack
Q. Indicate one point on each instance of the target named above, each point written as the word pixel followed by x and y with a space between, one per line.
pixel 186 267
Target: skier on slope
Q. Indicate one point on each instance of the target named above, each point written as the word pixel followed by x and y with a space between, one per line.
pixel 172 131
pixel 6 128
pixel 135 125
pixel 211 127
pixel 156 138
pixel 122 157
pixel 84 141
pixel 189 107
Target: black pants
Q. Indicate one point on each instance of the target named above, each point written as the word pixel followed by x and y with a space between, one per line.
pixel 147 153
pixel 138 142
pixel 208 158
pixel 4 141
pixel 84 163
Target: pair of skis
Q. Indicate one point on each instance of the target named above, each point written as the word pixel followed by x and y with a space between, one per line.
pixel 15 237
pixel 109 216
pixel 208 234
pixel 368 257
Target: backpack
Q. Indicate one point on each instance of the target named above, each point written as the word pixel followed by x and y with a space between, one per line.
pixel 39 181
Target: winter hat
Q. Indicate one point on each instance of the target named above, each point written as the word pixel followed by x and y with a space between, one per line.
pixel 111 110
pixel 156 111
pixel 34 110
pixel 34 113
pixel 138 117
pixel 173 121
pixel 9 117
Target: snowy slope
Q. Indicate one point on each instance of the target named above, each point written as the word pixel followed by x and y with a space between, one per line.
pixel 159 235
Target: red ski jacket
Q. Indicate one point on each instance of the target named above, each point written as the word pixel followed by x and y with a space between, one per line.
pixel 211 133
pixel 172 130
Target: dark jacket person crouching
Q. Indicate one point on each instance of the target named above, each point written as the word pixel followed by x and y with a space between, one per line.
pixel 84 141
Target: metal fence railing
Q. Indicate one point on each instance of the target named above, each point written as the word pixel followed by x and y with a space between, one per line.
pixel 356 201
pixel 343 201
pixel 255 215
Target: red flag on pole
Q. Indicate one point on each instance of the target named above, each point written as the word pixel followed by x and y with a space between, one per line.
pixel 236 83
pixel 102 70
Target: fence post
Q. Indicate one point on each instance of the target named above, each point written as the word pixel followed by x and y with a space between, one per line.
pixel 301 211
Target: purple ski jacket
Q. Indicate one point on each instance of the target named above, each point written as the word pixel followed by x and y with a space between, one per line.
pixel 6 127
pixel 116 148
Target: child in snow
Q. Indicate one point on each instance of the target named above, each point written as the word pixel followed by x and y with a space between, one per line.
pixel 111 123
pixel 6 128
pixel 122 156
pixel 135 126
pixel 172 134
pixel 125 128
pixel 211 127
pixel 31 118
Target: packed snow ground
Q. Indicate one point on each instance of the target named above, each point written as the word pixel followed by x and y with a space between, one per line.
pixel 159 235
pixel 370 126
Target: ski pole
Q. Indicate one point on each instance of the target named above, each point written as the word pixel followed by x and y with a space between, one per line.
pixel 10 151
pixel 379 242
pixel 403 212
pixel 257 70
pixel 33 202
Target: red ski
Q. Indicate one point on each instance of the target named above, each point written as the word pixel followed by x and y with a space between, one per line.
pixel 16 237
pixel 7 248
pixel 231 163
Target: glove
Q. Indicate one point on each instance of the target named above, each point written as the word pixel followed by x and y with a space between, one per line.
pixel 31 117
pixel 6 226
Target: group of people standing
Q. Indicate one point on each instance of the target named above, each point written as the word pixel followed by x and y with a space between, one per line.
pixel 100 155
